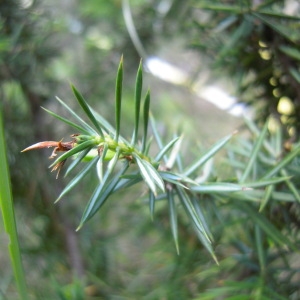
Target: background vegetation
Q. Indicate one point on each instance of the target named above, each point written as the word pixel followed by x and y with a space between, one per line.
pixel 121 253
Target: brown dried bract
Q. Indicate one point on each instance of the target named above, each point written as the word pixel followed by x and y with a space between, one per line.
pixel 58 147
pixel 58 167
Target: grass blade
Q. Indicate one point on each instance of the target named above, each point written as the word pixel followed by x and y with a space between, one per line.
pixel 7 209
pixel 119 83
pixel 87 110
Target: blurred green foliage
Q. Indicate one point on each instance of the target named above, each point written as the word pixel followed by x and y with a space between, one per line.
pixel 258 44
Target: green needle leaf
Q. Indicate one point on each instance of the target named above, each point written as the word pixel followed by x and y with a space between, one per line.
pixel 137 96
pixel 103 191
pixel 266 198
pixel 282 163
pixel 290 35
pixel 188 205
pixel 94 201
pixel 119 83
pixel 274 14
pixel 105 125
pixel 76 161
pixel 109 188
pixel 295 73
pixel 265 225
pixel 291 185
pixel 87 110
pixel 173 218
pixel 257 195
pixel 151 204
pixel 218 187
pixel 260 249
pixel 87 144
pixel 200 230
pixel 155 132
pixel 127 181
pixel 73 113
pixel 176 179
pixel 163 151
pixel 150 174
pixel 211 152
pixel 101 162
pixel 239 33
pixel 230 8
pixel 265 182
pixel 146 118
pixel 83 130
pixel 290 51
pixel 254 153
pixel 77 178
pixel 255 130
pixel 204 224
